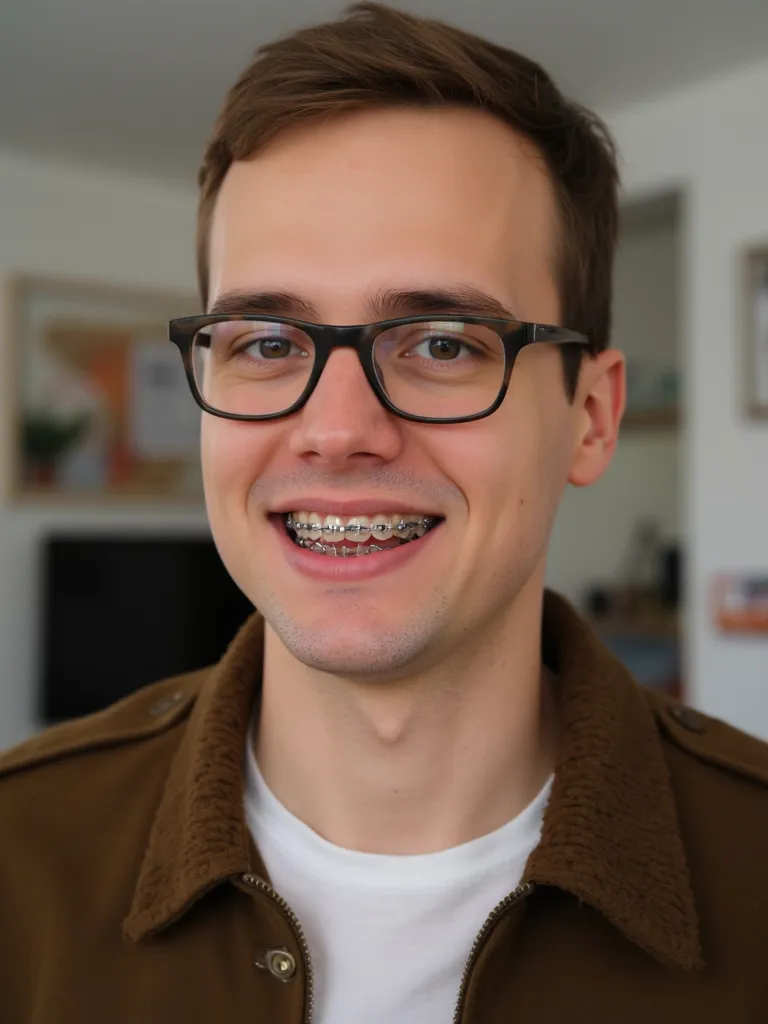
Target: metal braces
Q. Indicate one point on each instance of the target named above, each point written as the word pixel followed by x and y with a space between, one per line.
pixel 339 552
pixel 355 529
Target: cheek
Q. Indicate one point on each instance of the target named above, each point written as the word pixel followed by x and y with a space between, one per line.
pixel 514 467
pixel 233 456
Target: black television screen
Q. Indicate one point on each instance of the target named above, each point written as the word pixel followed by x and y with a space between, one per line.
pixel 120 612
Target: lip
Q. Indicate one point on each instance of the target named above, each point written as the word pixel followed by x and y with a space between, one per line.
pixel 350 507
pixel 327 569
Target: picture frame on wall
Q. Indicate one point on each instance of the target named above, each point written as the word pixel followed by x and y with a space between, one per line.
pixel 756 326
pixel 97 402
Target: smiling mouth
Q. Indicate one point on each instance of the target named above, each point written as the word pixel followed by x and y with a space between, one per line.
pixel 356 535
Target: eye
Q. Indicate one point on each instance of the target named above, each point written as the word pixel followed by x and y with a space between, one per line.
pixel 254 340
pixel 440 347
pixel 444 347
pixel 273 347
pixel 270 346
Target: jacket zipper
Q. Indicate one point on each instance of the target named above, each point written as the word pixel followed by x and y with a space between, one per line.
pixel 256 883
pixel 501 908
pixel 498 911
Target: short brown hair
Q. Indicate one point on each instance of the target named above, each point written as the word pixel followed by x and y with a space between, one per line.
pixel 374 56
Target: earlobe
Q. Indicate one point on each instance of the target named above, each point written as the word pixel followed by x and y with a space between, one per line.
pixel 599 402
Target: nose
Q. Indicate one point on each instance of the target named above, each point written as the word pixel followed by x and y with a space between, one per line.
pixel 343 425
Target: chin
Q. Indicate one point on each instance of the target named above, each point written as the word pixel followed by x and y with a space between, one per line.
pixel 356 649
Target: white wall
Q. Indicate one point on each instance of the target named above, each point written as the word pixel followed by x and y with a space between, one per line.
pixel 713 141
pixel 99 227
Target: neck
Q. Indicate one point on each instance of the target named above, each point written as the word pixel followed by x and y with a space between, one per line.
pixel 413 766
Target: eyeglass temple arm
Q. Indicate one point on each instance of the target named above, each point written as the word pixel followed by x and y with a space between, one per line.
pixel 561 335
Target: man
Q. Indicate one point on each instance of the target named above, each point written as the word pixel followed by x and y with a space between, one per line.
pixel 419 790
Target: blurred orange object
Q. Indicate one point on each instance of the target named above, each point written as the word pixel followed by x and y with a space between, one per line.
pixel 741 603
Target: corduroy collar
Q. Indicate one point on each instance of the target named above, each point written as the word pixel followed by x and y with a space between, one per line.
pixel 610 836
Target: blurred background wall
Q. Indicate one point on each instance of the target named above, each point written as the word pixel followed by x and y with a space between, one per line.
pixel 710 142
pixel 694 479
pixel 98 226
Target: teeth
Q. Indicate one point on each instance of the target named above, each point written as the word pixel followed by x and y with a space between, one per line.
pixel 315 522
pixel 302 517
pixel 325 534
pixel 405 531
pixel 340 550
pixel 333 528
pixel 359 528
pixel 381 528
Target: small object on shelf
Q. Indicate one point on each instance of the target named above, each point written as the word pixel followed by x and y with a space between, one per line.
pixel 740 603
pixel 651 419
pixel 637 617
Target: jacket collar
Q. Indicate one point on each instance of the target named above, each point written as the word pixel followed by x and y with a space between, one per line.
pixel 610 836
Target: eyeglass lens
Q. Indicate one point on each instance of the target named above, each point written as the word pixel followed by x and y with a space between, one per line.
pixel 440 368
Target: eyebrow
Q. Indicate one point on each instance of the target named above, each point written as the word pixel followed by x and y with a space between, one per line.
pixel 385 304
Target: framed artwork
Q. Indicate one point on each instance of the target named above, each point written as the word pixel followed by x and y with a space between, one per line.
pixel 756 324
pixel 98 402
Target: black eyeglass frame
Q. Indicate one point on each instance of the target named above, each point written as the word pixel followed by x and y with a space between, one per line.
pixel 515 335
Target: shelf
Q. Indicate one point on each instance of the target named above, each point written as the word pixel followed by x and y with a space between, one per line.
pixel 652 627
pixel 651 419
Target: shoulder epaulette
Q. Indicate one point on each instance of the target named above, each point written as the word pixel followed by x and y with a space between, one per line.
pixel 148 712
pixel 711 739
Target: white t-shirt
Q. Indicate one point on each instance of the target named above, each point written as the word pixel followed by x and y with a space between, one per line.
pixel 388 935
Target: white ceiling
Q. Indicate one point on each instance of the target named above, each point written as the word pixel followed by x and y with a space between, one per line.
pixel 135 84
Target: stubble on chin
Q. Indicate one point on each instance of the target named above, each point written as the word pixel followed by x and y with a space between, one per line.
pixel 356 650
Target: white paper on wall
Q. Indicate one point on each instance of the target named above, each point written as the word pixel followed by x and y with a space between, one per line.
pixel 165 421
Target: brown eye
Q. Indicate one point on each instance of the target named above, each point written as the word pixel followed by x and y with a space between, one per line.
pixel 444 348
pixel 273 348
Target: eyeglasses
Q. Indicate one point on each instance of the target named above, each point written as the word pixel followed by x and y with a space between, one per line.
pixel 431 369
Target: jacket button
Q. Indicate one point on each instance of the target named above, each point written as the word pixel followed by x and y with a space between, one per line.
pixel 688 718
pixel 280 963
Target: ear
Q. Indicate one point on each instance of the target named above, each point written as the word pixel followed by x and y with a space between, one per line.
pixel 598 408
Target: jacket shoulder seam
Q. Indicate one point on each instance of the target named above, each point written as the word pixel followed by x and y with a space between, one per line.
pixel 150 711
pixel 711 740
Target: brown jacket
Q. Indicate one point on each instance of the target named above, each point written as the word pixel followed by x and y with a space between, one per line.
pixel 130 890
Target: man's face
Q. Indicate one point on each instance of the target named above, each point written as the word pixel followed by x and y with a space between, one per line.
pixel 338 215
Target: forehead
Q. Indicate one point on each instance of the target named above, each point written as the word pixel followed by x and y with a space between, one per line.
pixel 389 198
